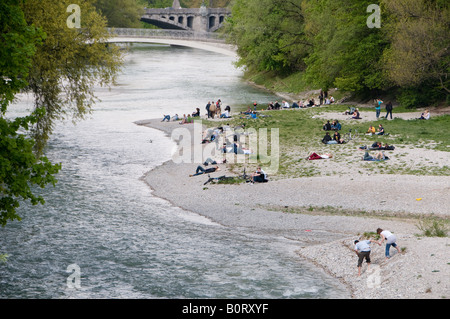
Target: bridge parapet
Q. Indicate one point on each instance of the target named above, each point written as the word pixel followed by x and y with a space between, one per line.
pixel 167 34
pixel 196 11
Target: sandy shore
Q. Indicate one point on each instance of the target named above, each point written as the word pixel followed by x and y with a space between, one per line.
pixel 422 270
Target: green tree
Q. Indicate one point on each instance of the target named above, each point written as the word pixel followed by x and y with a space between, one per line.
pixel 121 13
pixel 20 169
pixel 269 34
pixel 418 60
pixel 346 52
pixel 69 64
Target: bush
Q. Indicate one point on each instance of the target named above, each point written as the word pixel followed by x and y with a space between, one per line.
pixel 433 227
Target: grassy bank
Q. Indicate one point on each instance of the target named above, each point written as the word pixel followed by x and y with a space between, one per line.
pixel 300 134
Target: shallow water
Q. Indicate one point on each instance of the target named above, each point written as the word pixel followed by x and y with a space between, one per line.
pixel 103 218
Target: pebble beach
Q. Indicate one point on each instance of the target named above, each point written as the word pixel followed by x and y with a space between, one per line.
pixel 280 207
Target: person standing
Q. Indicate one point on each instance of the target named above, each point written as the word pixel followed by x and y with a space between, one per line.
pixel 207 109
pixel 391 240
pixel 389 109
pixel 212 109
pixel 362 249
pixel 378 108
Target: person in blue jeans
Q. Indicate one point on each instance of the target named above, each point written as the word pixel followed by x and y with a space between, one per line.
pixel 378 107
pixel 389 108
pixel 200 170
pixel 391 240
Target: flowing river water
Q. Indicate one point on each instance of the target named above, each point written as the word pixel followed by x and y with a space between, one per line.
pixel 103 219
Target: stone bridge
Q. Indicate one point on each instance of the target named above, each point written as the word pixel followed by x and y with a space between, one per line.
pixel 188 19
pixel 200 40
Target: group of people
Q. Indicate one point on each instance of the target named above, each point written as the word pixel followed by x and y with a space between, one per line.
pixel 186 119
pixel 336 139
pixel 299 104
pixel 335 126
pixel 354 112
pixel 362 248
pixel 372 131
pixel 389 108
pixel 214 109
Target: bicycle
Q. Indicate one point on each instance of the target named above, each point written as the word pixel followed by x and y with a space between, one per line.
pixel 351 136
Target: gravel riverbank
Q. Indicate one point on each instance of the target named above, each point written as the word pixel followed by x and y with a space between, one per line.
pixel 280 207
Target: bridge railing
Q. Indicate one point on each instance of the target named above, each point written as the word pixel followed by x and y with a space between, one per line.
pixel 167 34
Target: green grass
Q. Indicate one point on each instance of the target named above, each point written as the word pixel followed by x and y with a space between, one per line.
pixel 300 133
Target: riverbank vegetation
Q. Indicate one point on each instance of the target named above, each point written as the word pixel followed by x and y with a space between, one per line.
pixel 59 66
pixel 333 44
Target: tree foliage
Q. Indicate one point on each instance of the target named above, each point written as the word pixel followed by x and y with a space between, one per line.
pixel 20 169
pixel 346 51
pixel 121 13
pixel 269 34
pixel 332 43
pixel 69 64
pixel 420 44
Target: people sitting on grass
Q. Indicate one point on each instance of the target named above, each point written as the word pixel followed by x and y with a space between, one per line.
pixel 371 130
pixel 200 170
pixel 186 119
pixel 196 113
pixel 327 138
pixel 337 138
pixel 356 115
pixel 327 126
pixel 350 111
pixel 259 176
pixel 336 126
pixel 225 114
pixel 380 130
pixel 249 111
pixel 425 115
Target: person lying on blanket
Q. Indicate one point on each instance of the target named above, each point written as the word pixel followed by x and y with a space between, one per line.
pixel 378 157
pixel 315 156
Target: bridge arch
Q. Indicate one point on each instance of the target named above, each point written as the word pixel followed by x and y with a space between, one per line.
pixel 192 19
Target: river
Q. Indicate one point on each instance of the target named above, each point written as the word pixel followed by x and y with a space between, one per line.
pixel 102 218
